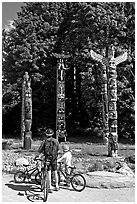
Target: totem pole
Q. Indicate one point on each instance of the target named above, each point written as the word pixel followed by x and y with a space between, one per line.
pixel 104 91
pixel 110 97
pixel 23 112
pixel 75 80
pixel 26 111
pixel 105 103
pixel 60 104
pixel 112 103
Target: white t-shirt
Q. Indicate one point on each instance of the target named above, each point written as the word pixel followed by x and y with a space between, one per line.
pixel 66 158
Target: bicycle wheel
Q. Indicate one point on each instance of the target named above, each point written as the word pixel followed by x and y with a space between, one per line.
pixel 19 177
pixel 42 180
pixel 38 178
pixel 45 187
pixel 78 182
pixel 59 178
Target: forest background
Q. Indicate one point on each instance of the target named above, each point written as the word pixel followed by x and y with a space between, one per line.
pixel 43 29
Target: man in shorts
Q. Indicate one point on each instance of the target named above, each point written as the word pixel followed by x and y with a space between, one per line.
pixel 48 134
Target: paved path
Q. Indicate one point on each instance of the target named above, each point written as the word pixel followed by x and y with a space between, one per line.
pixel 12 192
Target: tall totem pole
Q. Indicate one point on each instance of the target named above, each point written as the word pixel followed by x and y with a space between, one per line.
pixel 60 103
pixel 109 95
pixel 112 102
pixel 26 121
pixel 104 91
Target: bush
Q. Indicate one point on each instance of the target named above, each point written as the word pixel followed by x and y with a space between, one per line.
pixel 6 144
pixel 97 166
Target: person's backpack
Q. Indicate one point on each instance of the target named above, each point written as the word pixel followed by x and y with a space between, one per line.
pixel 50 149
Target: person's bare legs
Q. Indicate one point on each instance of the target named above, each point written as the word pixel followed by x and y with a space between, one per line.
pixel 49 178
pixel 56 180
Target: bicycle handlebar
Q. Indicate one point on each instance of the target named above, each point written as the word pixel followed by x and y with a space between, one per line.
pixel 37 159
pixel 71 167
pixel 60 162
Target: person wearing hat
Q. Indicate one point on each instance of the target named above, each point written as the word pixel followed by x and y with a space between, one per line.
pixel 52 145
pixel 66 158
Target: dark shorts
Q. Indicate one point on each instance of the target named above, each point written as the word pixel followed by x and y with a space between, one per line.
pixel 52 165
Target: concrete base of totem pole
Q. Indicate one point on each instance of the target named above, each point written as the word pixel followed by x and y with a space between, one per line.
pixel 111 152
pixel 27 140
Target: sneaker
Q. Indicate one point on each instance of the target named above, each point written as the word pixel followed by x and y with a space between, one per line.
pixel 56 189
pixel 50 190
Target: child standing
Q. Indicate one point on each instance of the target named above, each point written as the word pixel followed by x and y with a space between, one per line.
pixel 66 158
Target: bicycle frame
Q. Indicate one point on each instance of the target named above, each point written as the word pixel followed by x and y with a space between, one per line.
pixel 68 176
pixel 77 180
pixel 28 171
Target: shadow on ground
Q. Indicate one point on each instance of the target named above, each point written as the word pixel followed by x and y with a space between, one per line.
pixel 30 190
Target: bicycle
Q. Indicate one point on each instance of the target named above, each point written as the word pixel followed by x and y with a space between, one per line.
pixel 20 176
pixel 43 176
pixel 77 180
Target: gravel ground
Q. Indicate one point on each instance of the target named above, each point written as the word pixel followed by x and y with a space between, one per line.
pixel 12 192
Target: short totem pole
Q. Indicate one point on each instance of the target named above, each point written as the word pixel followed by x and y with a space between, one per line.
pixel 26 112
pixel 60 107
pixel 109 93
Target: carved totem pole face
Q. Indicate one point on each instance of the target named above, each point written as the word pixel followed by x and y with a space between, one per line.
pixel 112 105
pixel 60 117
pixel 26 111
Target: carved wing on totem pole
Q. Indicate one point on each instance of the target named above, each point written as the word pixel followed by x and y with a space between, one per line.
pixel 120 58
pixel 96 56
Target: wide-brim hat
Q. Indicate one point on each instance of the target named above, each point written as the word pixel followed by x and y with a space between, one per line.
pixel 49 132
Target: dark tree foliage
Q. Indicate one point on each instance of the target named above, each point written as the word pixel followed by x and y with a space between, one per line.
pixel 43 29
pixel 29 46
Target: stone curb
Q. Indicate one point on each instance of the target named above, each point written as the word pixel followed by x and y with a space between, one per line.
pixel 103 179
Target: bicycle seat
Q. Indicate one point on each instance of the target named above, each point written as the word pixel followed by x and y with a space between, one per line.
pixel 60 162
pixel 26 165
pixel 38 159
